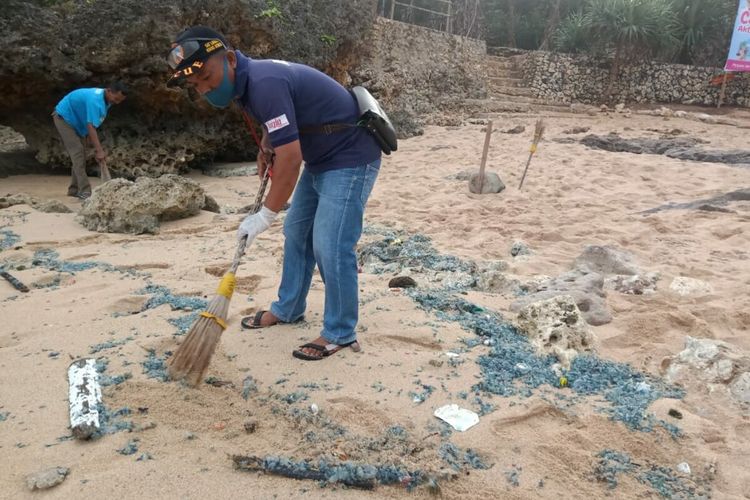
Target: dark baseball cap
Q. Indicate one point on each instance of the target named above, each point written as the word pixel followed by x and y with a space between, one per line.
pixel 191 49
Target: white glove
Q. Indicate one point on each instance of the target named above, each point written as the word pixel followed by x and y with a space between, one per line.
pixel 255 224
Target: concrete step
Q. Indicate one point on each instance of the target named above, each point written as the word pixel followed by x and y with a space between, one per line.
pixel 515 91
pixel 497 68
pixel 521 99
pixel 504 72
pixel 505 81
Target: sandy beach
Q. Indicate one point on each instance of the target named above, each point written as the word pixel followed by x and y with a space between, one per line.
pixel 368 407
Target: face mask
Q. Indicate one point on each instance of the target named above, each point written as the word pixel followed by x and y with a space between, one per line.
pixel 221 96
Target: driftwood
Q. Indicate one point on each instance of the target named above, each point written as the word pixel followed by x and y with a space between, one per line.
pixel 85 396
pixel 15 282
pixel 257 464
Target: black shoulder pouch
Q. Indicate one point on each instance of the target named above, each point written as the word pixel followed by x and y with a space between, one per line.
pixel 371 117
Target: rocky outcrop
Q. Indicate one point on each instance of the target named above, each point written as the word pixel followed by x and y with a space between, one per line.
pixel 583 78
pixel 122 206
pixel 717 364
pixel 49 206
pixel 680 148
pixel 50 51
pixel 585 287
pixel 555 326
pixel 417 71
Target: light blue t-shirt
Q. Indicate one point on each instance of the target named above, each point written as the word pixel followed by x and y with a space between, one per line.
pixel 81 107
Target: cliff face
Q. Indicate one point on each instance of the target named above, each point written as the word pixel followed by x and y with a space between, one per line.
pixel 53 47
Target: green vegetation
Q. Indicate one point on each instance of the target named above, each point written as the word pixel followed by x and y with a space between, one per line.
pixel 683 31
pixel 272 11
pixel 328 39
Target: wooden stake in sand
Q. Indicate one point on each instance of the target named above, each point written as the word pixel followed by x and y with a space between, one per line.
pixel 487 138
pixel 192 358
pixel 538 133
pixel 723 91
pixel 85 396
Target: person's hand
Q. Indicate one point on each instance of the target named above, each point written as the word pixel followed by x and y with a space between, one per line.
pixel 255 224
pixel 101 156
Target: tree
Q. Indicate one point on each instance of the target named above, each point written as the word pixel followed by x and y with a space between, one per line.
pixel 630 30
pixel 703 26
pixel 573 34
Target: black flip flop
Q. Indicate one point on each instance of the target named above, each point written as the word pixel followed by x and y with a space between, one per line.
pixel 324 350
pixel 253 322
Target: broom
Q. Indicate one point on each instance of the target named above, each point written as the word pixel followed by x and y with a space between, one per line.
pixel 538 132
pixel 192 358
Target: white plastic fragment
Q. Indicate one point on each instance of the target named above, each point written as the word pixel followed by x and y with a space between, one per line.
pixel 684 467
pixel 314 409
pixel 459 418
pixel 85 396
pixel 452 354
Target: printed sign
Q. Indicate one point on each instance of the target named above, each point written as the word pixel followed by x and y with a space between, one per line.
pixel 739 50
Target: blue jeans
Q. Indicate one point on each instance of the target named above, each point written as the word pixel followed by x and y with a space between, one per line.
pixel 322 227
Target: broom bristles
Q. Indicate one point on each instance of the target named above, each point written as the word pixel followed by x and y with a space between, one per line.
pixel 192 358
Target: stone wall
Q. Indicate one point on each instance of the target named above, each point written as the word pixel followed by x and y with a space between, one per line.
pixel 417 72
pixel 582 78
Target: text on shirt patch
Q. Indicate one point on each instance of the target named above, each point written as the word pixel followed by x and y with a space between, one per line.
pixel 277 123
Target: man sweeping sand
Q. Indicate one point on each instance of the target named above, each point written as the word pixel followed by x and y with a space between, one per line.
pixel 324 222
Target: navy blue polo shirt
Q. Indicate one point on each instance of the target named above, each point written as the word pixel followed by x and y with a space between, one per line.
pixel 286 97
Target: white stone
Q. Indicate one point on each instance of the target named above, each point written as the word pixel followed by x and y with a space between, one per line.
pixel 740 388
pixel 716 363
pixel 684 286
pixel 46 478
pixel 683 467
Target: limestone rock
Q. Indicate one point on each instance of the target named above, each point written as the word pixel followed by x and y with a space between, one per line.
pixel 713 362
pixel 519 248
pixel 50 206
pixel 556 326
pixel 637 284
pixel 606 260
pixel 53 207
pixel 740 388
pixel 491 185
pixel 586 288
pixel 210 205
pixel 46 478
pixel 577 130
pixel 17 199
pixel 491 278
pixel 685 286
pixel 122 206
pixel 158 129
